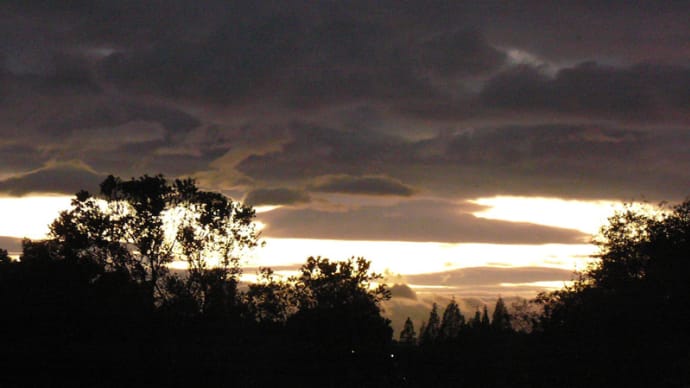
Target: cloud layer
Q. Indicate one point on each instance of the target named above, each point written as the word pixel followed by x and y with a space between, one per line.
pixel 418 220
pixel 296 102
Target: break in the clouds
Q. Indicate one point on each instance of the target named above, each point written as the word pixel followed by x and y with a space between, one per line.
pixel 415 220
pixel 294 101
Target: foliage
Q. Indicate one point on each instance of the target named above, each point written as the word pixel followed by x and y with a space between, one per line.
pixel 98 297
pixel 476 321
pixel 4 257
pixel 501 319
pixel 271 299
pixel 422 330
pixel 485 318
pixel 452 322
pixel 326 284
pixel 643 255
pixel 339 302
pixel 647 246
pixel 628 312
pixel 408 336
pixel 432 327
pixel 524 315
pixel 138 227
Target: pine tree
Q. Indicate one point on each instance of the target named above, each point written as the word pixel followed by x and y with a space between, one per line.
pixel 501 318
pixel 452 321
pixel 433 326
pixel 422 330
pixel 408 335
pixel 476 322
pixel 485 318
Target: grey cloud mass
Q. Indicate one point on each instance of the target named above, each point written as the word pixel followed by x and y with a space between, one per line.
pixel 641 93
pixel 276 196
pixel 60 178
pixel 414 220
pixel 446 100
pixel 369 185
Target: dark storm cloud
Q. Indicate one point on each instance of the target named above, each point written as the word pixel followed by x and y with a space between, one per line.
pixel 55 179
pixel 410 221
pixel 569 161
pixel 368 185
pixel 460 53
pixel 616 31
pixel 288 59
pixel 314 151
pixel 276 196
pixel 583 161
pixel 560 98
pixel 57 75
pixel 646 93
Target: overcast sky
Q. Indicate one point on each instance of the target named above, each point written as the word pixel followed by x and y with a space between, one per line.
pixel 368 120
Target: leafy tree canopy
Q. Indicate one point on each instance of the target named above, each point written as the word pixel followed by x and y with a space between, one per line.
pixel 138 227
pixel 339 302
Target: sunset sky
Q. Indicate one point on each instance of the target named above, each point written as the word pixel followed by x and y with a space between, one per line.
pixel 466 147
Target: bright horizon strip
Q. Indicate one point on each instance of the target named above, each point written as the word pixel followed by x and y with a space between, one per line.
pixel 585 216
pixel 409 258
pixel 547 284
pixel 30 216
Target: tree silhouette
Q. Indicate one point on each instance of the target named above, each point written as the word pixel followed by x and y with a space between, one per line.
pixel 271 299
pixel 408 336
pixel 476 321
pixel 630 308
pixel 485 318
pixel 524 315
pixel 338 303
pixel 452 322
pixel 138 227
pixel 432 328
pixel 501 318
pixel 4 257
pixel 422 330
pixel 643 254
pixel 645 246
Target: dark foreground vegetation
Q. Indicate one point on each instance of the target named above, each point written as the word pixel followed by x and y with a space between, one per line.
pixel 96 305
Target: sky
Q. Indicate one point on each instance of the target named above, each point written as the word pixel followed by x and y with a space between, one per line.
pixel 462 146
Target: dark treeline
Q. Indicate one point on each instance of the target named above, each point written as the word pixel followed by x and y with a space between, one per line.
pixel 96 304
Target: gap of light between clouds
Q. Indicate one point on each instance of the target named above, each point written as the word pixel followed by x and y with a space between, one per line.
pixel 29 217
